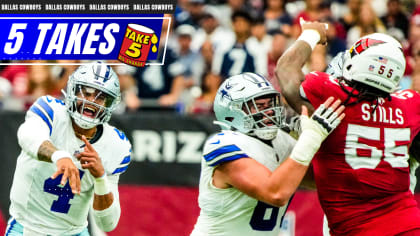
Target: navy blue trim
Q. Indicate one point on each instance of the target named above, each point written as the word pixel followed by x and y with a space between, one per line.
pixel 231 158
pixel 35 110
pixel 12 224
pixel 127 159
pixel 220 151
pixel 46 107
pixel 120 170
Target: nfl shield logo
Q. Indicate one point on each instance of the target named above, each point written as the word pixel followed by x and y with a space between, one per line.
pixel 371 67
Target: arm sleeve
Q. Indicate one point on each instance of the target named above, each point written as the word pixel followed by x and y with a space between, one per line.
pixel 107 219
pixel 37 127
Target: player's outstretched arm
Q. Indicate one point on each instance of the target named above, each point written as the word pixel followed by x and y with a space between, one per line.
pixel 276 188
pixel 106 204
pixel 33 137
pixel 48 153
pixel 289 66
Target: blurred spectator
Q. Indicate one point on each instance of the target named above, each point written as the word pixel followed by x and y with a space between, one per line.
pixel 326 15
pixel 154 82
pixel 395 19
pixel 5 91
pixel 40 82
pixel 191 14
pixel 236 58
pixel 181 13
pixel 226 11
pixel 204 103
pixel 207 53
pixel 189 66
pixel 276 16
pixel 278 46
pixel 413 37
pixel 415 62
pixel 312 12
pixel 317 62
pixel 188 63
pixel 367 23
pixel 349 19
pixel 62 71
pixel 334 44
pixel 259 44
pixel 17 75
pixel 211 30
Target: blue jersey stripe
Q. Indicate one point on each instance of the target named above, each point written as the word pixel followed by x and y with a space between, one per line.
pixel 46 107
pixel 126 160
pixel 120 170
pixel 10 227
pixel 230 158
pixel 35 110
pixel 221 151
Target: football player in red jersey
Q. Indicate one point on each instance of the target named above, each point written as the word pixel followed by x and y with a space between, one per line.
pixel 361 170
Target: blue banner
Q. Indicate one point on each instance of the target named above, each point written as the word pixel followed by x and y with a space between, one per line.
pixel 77 37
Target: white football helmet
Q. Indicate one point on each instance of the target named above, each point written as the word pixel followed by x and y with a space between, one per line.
pixel 235 106
pixel 335 67
pixel 376 60
pixel 95 78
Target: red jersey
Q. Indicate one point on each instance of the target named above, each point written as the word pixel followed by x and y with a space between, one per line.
pixel 361 169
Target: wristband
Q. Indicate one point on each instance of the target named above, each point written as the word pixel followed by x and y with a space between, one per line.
pixel 101 185
pixel 310 36
pixel 306 147
pixel 57 155
pixel 309 141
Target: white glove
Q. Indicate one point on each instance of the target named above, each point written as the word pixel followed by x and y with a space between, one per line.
pixel 315 129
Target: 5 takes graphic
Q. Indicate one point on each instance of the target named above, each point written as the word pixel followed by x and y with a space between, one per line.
pixel 81 38
pixel 127 32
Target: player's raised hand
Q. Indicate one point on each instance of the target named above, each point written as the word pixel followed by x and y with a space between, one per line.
pixel 70 172
pixel 321 28
pixel 89 159
pixel 325 118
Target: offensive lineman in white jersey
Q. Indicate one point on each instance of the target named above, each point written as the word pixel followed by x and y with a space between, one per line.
pixel 71 159
pixel 247 178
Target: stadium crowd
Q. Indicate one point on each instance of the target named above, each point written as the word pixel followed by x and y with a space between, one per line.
pixel 211 40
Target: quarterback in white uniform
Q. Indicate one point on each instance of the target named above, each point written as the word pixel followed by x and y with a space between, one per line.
pixel 251 169
pixel 71 141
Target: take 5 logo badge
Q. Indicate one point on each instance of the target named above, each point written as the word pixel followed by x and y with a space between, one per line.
pixel 131 40
pixel 137 42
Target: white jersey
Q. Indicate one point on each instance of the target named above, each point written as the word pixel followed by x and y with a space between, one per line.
pixel 229 211
pixel 37 201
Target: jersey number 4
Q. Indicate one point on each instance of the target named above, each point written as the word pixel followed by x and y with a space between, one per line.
pixel 64 193
pixel 365 146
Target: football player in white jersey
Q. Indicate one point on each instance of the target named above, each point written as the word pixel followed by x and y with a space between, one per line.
pixel 71 159
pixel 251 169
